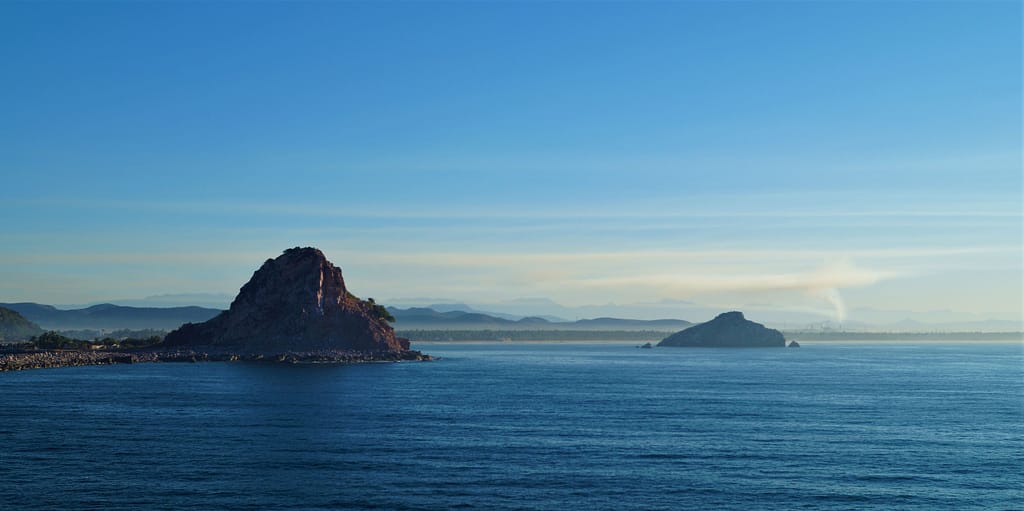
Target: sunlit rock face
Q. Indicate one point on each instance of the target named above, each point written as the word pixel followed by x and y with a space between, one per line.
pixel 296 302
pixel 727 330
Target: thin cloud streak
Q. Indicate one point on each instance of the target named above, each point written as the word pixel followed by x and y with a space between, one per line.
pixel 493 259
pixel 829 277
pixel 117 257
pixel 501 259
pixel 766 206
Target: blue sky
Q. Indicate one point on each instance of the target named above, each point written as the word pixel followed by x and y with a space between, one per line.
pixel 820 157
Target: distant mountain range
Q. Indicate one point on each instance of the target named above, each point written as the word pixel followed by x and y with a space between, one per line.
pixel 461 307
pixel 860 319
pixel 110 317
pixel 457 316
pixel 114 317
pixel 425 318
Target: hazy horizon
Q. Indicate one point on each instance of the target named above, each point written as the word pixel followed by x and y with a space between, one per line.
pixel 807 158
pixel 859 320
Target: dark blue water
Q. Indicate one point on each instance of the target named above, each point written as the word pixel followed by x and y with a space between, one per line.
pixel 528 426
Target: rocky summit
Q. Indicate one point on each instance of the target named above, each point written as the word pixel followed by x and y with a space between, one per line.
pixel 295 303
pixel 727 330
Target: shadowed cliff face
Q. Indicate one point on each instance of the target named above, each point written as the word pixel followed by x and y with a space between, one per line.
pixel 296 302
pixel 727 330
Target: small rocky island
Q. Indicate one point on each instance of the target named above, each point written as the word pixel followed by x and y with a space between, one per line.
pixel 727 330
pixel 295 308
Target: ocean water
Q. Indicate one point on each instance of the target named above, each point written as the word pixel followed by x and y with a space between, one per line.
pixel 528 426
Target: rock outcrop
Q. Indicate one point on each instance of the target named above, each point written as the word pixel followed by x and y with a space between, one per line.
pixel 727 330
pixel 295 303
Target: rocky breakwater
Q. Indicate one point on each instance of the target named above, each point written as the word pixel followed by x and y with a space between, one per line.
pixel 42 359
pixel 296 308
pixel 17 361
pixel 727 330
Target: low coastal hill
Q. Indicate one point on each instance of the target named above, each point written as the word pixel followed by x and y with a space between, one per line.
pixel 424 318
pixel 110 317
pixel 14 326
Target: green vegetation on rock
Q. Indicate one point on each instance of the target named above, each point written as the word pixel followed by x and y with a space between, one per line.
pixel 380 311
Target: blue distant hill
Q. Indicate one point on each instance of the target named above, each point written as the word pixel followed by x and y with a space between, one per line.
pixel 14 326
pixel 110 317
pixel 425 318
pixel 114 317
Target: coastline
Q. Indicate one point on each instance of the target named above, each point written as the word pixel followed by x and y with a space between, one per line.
pixel 48 359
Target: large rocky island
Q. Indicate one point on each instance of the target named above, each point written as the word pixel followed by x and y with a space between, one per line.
pixel 297 302
pixel 295 308
pixel 727 330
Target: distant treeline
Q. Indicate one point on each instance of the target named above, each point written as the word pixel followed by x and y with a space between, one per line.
pixel 531 335
pixel 904 336
pixel 123 333
pixel 56 341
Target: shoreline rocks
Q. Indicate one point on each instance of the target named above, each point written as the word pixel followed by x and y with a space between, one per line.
pixel 24 360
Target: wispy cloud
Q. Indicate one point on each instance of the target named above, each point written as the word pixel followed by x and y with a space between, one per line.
pixel 120 257
pixel 753 257
pixel 832 276
pixel 795 277
pixel 824 282
pixel 823 205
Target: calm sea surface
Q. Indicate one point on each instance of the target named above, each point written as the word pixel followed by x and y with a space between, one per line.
pixel 528 426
